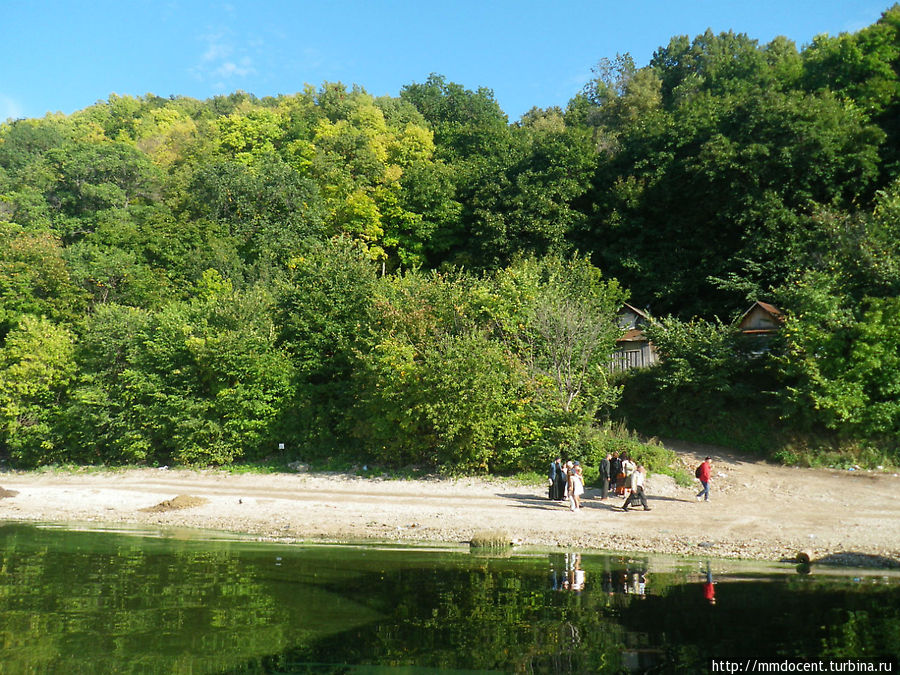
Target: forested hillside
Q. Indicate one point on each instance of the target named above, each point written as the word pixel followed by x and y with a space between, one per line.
pixel 418 280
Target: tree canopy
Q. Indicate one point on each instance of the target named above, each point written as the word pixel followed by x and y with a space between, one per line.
pixel 417 279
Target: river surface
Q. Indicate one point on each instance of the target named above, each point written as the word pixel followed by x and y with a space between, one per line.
pixel 121 601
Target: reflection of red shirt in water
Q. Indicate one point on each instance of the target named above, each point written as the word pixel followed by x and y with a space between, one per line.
pixel 709 592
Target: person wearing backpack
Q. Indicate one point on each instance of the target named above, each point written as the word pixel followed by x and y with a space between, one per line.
pixel 703 473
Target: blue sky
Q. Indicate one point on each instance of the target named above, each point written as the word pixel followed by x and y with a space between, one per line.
pixel 66 55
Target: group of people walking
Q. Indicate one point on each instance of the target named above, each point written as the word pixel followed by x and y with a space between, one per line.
pixel 618 475
pixel 625 478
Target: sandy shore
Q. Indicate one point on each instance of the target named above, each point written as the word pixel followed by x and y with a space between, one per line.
pixel 757 510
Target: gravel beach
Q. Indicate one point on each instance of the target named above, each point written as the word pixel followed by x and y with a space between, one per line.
pixel 756 510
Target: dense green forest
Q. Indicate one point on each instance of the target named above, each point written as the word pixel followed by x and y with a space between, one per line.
pixel 415 280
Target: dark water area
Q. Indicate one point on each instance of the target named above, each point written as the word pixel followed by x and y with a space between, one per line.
pixel 130 602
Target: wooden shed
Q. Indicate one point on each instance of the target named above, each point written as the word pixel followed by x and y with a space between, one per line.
pixel 633 348
pixel 760 323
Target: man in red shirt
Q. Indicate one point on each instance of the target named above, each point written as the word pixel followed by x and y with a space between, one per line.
pixel 703 474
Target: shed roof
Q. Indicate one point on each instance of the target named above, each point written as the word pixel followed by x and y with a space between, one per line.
pixel 776 313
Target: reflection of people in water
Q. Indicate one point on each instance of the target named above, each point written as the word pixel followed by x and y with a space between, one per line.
pixel 608 585
pixel 571 577
pixel 709 590
pixel 574 579
pixel 576 574
pixel 555 581
pixel 635 583
pixel 639 584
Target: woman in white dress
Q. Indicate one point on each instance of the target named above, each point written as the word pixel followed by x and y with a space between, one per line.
pixel 575 488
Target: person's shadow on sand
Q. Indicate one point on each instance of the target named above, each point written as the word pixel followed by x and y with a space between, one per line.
pixel 532 501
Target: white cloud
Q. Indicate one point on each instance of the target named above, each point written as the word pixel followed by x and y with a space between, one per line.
pixel 231 69
pixel 222 59
pixel 216 48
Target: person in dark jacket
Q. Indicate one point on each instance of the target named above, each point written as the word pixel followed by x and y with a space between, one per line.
pixel 604 476
pixel 558 478
pixel 615 468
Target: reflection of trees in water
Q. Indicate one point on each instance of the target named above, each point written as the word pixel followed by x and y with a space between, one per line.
pixel 88 602
pixel 488 618
pixel 152 604
pixel 783 616
pixel 497 616
pixel 506 615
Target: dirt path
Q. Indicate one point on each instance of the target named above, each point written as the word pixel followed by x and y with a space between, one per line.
pixel 757 510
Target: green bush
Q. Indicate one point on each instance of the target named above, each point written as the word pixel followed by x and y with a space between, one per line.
pixel 650 453
pixel 37 368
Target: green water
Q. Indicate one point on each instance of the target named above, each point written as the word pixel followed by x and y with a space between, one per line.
pixel 116 602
